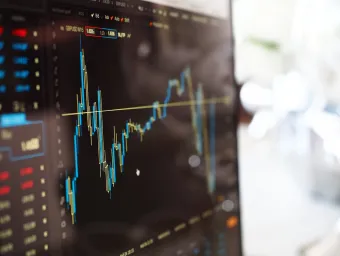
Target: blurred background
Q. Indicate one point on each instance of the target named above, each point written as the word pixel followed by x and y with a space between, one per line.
pixel 287 69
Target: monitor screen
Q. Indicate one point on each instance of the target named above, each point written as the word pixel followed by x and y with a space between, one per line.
pixel 118 129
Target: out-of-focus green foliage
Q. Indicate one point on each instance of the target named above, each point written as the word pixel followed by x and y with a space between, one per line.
pixel 267 44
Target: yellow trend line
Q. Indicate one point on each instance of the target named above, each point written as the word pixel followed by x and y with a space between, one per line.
pixel 219 100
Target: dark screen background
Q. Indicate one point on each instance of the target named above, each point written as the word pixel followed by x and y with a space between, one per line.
pixel 168 191
pixel 129 72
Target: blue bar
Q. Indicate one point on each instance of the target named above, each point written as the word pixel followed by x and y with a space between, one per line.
pixel 13 119
pixel 23 88
pixel 100 130
pixel 167 97
pixel 2 59
pixel 66 190
pixel 154 110
pixel 114 175
pixel 2 44
pixel 127 130
pixel 2 74
pixel 77 132
pixel 20 60
pixel 82 80
pixel 20 46
pixel 3 88
pixel 74 185
pixel 110 179
pixel 21 74
pixel 94 117
pixel 75 154
pixel 80 115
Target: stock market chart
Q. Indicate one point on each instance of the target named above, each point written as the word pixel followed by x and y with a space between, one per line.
pixel 118 131
pixel 203 129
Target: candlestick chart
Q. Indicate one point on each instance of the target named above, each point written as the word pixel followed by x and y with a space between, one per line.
pixel 89 121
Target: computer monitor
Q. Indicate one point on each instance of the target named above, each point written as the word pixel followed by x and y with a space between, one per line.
pixel 118 128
